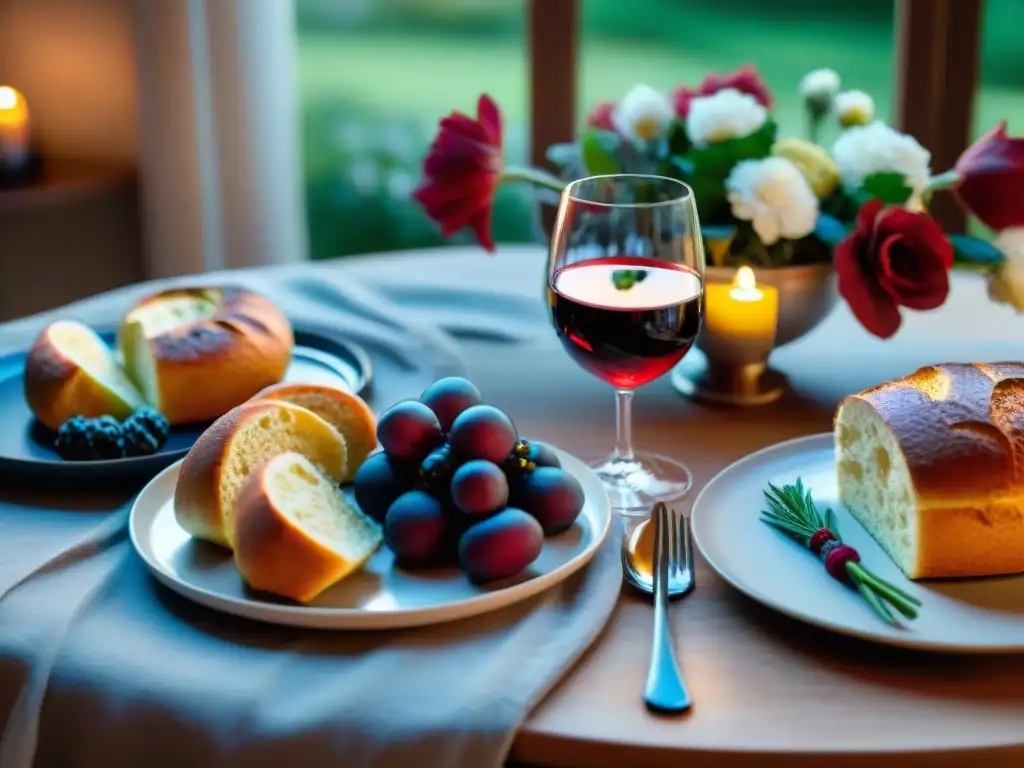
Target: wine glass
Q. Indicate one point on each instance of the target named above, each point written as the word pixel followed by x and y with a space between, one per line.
pixel 626 294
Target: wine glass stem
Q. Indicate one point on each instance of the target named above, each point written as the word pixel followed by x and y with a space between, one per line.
pixel 624 424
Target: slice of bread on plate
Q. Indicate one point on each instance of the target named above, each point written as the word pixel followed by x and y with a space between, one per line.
pixel 69 372
pixel 295 533
pixel 346 412
pixel 215 468
pixel 932 465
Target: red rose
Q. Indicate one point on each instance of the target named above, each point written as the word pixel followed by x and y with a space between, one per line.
pixel 990 179
pixel 745 80
pixel 601 116
pixel 462 170
pixel 894 258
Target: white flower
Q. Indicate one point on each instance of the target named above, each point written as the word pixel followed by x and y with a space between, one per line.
pixel 866 149
pixel 644 114
pixel 724 115
pixel 818 87
pixel 774 196
pixel 1008 284
pixel 854 108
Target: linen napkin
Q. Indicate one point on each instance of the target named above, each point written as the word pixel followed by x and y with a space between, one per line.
pixel 102 666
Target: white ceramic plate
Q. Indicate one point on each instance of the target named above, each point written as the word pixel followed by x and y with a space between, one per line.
pixel 381 596
pixel 983 615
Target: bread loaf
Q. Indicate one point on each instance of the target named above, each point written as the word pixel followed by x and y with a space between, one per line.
pixel 295 534
pixel 346 412
pixel 214 469
pixel 932 465
pixel 70 371
pixel 196 353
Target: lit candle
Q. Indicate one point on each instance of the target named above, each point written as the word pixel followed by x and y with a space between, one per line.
pixel 14 130
pixel 740 319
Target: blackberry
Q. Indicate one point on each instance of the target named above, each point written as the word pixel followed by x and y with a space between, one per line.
pixel 107 440
pixel 138 440
pixel 154 422
pixel 73 441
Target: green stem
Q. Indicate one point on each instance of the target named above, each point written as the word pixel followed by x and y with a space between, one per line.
pixel 940 182
pixel 813 125
pixel 876 605
pixel 878 580
pixel 534 176
pixel 865 579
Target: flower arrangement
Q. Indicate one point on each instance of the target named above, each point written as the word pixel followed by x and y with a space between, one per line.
pixel 772 201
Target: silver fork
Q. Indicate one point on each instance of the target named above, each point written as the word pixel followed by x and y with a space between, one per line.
pixel 665 690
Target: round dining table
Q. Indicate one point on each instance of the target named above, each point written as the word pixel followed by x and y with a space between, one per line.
pixel 767 690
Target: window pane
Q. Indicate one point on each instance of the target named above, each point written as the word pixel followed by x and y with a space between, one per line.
pixel 375 76
pixel 1001 96
pixel 667 43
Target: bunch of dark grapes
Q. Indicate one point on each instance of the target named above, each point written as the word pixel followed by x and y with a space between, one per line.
pixel 141 434
pixel 455 482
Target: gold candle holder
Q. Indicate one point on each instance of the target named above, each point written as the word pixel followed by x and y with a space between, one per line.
pixel 735 370
pixel 737 336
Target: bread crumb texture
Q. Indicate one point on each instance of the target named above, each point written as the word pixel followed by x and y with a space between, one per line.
pixel 932 465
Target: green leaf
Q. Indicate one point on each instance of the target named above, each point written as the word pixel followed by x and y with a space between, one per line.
pixel 675 168
pixel 712 164
pixel 889 187
pixel 676 143
pixel 624 279
pixel 973 250
pixel 598 150
pixel 563 154
pixel 841 206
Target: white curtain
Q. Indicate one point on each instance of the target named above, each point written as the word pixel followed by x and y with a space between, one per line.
pixel 219 146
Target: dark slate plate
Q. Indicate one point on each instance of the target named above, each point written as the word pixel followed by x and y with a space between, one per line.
pixel 26 446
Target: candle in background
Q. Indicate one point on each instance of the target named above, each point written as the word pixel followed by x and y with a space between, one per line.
pixel 14 130
pixel 740 319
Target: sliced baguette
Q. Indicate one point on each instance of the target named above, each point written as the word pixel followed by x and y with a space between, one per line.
pixel 215 468
pixel 295 534
pixel 346 412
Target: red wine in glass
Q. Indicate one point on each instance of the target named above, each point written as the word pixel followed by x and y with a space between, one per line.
pixel 627 320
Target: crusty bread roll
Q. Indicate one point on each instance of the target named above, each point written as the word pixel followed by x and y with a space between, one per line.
pixel 295 534
pixel 195 353
pixel 932 465
pixel 214 469
pixel 69 372
pixel 346 412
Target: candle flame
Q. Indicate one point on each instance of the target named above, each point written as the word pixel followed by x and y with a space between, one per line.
pixel 9 97
pixel 744 279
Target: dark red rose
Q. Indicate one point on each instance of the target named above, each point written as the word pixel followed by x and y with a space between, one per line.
pixel 990 179
pixel 601 116
pixel 745 80
pixel 462 170
pixel 894 258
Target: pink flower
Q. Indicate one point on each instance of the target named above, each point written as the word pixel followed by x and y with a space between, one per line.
pixel 745 80
pixel 990 179
pixel 462 170
pixel 601 116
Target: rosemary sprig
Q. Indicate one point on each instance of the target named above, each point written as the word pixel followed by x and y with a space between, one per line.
pixel 791 511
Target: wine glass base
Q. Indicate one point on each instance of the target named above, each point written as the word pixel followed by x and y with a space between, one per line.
pixel 635 485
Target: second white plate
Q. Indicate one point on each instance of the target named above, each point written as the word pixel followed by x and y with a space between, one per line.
pixel 381 595
pixel 983 615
